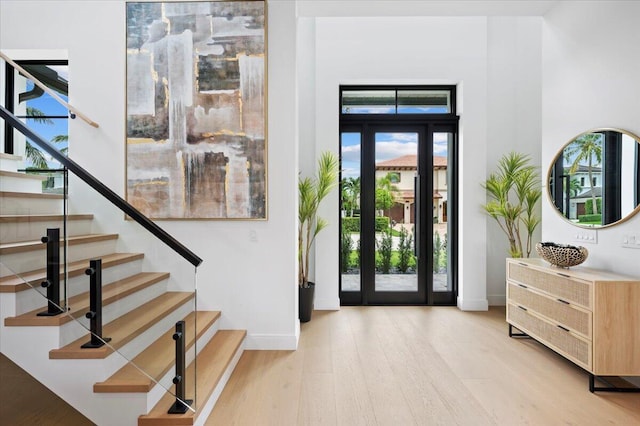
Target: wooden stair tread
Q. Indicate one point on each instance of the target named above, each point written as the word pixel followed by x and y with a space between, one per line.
pixel 157 359
pixel 17 218
pixel 22 175
pixel 46 196
pixel 13 283
pixel 125 328
pixel 213 361
pixel 20 247
pixel 80 303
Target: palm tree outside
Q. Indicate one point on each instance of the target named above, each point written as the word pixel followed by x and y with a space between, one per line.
pixel 587 148
pixel 385 192
pixel 32 153
pixel 351 194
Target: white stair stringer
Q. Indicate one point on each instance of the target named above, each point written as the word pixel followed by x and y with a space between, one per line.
pixel 207 406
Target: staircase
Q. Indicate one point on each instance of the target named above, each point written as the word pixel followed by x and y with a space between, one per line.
pixel 140 309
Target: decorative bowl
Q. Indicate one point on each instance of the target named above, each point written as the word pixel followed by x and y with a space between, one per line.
pixel 562 255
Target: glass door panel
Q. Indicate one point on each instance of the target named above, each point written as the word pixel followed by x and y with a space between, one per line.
pixel 350 143
pixel 441 184
pixel 396 166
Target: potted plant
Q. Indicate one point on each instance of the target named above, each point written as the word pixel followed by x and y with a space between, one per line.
pixel 311 192
pixel 513 193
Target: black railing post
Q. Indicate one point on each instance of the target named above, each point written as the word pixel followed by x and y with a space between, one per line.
pixel 95 305
pixel 181 405
pixel 52 283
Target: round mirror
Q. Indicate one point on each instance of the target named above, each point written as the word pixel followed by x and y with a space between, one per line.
pixel 594 181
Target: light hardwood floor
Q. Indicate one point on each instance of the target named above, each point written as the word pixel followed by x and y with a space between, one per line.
pixel 414 366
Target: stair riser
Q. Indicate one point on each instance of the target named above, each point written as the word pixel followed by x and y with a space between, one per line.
pixel 31 231
pixel 36 259
pixel 70 332
pixel 11 163
pixel 28 300
pixel 7 308
pixel 28 206
pixel 20 184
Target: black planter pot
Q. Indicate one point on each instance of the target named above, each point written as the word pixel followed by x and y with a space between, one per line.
pixel 305 302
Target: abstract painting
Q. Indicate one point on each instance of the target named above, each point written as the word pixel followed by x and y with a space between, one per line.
pixel 195 136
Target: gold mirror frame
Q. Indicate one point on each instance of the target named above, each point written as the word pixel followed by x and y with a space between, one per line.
pixel 559 155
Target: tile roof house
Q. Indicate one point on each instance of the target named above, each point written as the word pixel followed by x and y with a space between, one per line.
pixel 403 171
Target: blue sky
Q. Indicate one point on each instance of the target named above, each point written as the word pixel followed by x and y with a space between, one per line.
pixel 388 146
pixel 49 106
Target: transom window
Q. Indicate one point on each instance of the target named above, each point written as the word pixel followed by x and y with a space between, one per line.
pixel 397 101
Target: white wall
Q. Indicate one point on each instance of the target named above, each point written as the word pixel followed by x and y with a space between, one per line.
pixel 591 58
pixel 514 118
pixel 253 283
pixel 496 64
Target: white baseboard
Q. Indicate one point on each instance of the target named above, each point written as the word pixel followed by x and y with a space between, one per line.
pixel 497 300
pixel 271 342
pixel 326 304
pixel 473 304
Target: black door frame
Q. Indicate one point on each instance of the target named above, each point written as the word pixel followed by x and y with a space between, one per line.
pixel 425 125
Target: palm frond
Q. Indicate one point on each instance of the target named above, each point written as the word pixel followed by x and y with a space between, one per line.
pixel 35 156
pixel 38 116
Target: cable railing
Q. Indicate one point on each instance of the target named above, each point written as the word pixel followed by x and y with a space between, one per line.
pixel 101 188
pixel 72 110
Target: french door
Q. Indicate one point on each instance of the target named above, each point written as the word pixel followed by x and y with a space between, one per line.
pixel 398 210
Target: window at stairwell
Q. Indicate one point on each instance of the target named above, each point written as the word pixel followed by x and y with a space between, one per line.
pixel 39 110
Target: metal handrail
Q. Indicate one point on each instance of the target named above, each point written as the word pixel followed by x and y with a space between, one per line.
pixel 101 188
pixel 50 92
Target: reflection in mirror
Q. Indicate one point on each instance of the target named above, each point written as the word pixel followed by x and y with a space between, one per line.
pixel 594 180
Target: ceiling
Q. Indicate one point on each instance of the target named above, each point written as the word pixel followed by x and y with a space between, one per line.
pixel 367 8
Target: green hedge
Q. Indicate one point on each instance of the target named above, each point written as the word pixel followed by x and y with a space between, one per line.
pixel 352 224
pixel 382 223
pixel 589 205
pixel 591 218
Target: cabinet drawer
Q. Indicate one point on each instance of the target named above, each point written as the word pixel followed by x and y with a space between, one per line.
pixel 563 342
pixel 555 284
pixel 562 313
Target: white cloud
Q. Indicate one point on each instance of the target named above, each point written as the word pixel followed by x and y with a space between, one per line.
pixel 440 148
pixel 397 137
pixel 394 149
pixel 351 153
pixel 348 172
pixel 394 145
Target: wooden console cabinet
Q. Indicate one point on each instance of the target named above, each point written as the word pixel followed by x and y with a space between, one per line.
pixel 591 317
